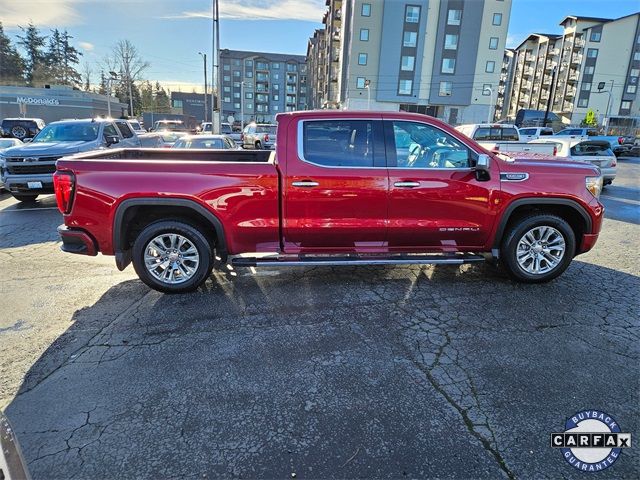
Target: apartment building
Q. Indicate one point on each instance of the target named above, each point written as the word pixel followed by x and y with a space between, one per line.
pixel 441 57
pixel 505 84
pixel 257 86
pixel 593 64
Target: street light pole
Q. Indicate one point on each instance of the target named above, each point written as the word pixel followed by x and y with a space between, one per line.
pixel 204 58
pixel 242 106
pixel 367 83
pixel 112 76
pixel 489 116
pixel 216 119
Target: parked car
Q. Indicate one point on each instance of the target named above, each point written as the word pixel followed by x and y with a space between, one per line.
pixel 151 140
pixel 533 133
pixel 214 142
pixel 136 126
pixel 205 127
pixel 342 188
pixel 501 137
pixel 535 118
pixel 578 132
pixel 21 128
pixel 616 142
pixel 6 143
pixel 596 152
pixel 169 138
pixel 170 125
pixel 259 136
pixel 29 168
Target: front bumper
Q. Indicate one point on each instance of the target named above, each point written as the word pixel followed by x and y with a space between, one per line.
pixel 20 183
pixel 77 241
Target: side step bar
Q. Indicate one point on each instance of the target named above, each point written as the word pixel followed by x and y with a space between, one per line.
pixel 308 260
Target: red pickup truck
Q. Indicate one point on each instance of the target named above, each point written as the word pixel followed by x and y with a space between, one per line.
pixel 341 188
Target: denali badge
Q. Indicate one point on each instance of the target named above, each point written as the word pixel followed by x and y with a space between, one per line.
pixel 459 229
pixel 514 177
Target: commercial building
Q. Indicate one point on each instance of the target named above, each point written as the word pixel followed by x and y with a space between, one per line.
pixel 192 104
pixel 56 103
pixel 594 64
pixel 259 85
pixel 441 57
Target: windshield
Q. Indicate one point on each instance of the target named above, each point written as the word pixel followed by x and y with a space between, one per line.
pixel 68 132
pixel 200 143
pixel 591 149
pixel 225 128
pixel 169 126
pixel 135 125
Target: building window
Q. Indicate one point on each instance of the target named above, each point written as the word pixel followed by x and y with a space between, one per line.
pixel 586 86
pixel 177 104
pixel 589 70
pixel 236 62
pixel 236 94
pixel 490 67
pixel 226 89
pixel 412 14
pixel 364 34
pixel 248 106
pixel 497 19
pixel 404 87
pixel 626 105
pixel 360 82
pixel 448 65
pixel 227 78
pixel 445 89
pixel 275 108
pixel 454 17
pixel 227 99
pixel 248 74
pixel 451 42
pixel 236 105
pixel 486 89
pixel 635 72
pixel 366 10
pixel 362 59
pixel 276 97
pixel 493 43
pixel 407 63
pixel 248 95
pixel 248 63
pixel 631 89
pixel 275 66
pixel 592 53
pixel 595 36
pixel 236 73
pixel 410 39
pixel 226 67
pixel 636 56
pixel 583 102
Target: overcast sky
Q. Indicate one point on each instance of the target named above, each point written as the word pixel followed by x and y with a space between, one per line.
pixel 170 33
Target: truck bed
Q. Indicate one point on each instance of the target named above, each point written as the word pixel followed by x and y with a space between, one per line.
pixel 177 154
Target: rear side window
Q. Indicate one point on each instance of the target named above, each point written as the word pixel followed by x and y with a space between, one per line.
pixel 110 131
pixel 588 149
pixel 339 143
pixel 527 131
pixel 124 130
pixel 545 132
pixel 510 134
pixel 496 134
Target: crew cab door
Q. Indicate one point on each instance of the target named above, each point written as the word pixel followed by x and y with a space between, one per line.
pixel 335 186
pixel 435 200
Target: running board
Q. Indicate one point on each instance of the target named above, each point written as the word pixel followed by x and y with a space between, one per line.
pixel 308 260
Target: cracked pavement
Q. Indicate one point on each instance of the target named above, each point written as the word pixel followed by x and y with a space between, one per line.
pixel 432 371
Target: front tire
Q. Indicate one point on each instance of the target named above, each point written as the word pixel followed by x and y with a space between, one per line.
pixel 172 256
pixel 538 248
pixel 25 197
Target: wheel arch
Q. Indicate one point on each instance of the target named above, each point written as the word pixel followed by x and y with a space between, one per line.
pixel 154 209
pixel 570 210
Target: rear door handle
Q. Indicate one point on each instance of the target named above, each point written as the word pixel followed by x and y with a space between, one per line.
pixel 406 184
pixel 305 184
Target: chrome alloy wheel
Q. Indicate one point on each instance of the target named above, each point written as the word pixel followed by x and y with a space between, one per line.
pixel 540 250
pixel 171 258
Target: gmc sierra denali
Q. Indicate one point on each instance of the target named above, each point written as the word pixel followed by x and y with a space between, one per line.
pixel 341 188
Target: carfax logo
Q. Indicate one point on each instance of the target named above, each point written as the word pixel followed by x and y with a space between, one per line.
pixel 592 440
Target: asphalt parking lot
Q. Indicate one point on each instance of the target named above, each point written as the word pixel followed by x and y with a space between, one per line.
pixel 432 371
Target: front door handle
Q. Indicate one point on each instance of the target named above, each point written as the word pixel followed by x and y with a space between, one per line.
pixel 305 184
pixel 406 184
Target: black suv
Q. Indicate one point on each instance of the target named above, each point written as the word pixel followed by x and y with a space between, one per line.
pixel 21 128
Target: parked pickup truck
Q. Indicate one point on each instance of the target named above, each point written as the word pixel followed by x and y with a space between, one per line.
pixel 341 188
pixel 27 170
pixel 618 144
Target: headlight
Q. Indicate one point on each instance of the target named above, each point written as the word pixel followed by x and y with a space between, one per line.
pixel 594 185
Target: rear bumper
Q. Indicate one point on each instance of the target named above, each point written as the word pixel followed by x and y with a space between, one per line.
pixel 77 241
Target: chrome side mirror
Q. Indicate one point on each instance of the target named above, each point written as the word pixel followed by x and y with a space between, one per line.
pixel 483 163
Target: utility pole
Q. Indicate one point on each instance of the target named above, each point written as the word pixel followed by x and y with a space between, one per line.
pixel 551 95
pixel 242 106
pixel 112 76
pixel 214 85
pixel 216 119
pixel 206 110
pixel 489 116
pixel 367 83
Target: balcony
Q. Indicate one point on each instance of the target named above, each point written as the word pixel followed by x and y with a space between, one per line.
pixel 554 52
pixel 576 59
pixel 573 77
pixel 527 72
pixel 570 93
pixel 529 58
pixel 579 43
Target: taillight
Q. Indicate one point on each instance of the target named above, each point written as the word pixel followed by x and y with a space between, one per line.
pixel 555 151
pixel 242 137
pixel 63 185
pixel 266 138
pixel 614 162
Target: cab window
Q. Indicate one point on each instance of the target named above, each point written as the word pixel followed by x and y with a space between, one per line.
pixel 527 131
pixel 110 131
pixel 124 130
pixel 339 143
pixel 417 145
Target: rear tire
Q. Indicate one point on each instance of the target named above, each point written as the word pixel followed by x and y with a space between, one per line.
pixel 538 248
pixel 25 197
pixel 172 256
pixel 258 146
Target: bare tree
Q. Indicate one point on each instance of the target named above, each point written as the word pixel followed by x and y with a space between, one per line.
pixel 127 62
pixel 87 73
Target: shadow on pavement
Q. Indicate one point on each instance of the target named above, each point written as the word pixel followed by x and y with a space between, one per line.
pixel 332 372
pixel 29 223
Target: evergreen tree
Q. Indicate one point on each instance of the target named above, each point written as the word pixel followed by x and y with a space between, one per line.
pixel 147 101
pixel 53 57
pixel 12 65
pixel 163 105
pixel 70 59
pixel 102 88
pixel 33 43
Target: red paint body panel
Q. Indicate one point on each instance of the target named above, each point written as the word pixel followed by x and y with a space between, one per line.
pixel 351 210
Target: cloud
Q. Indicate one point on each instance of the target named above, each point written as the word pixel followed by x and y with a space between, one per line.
pixel 58 13
pixel 176 86
pixel 305 10
pixel 86 46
